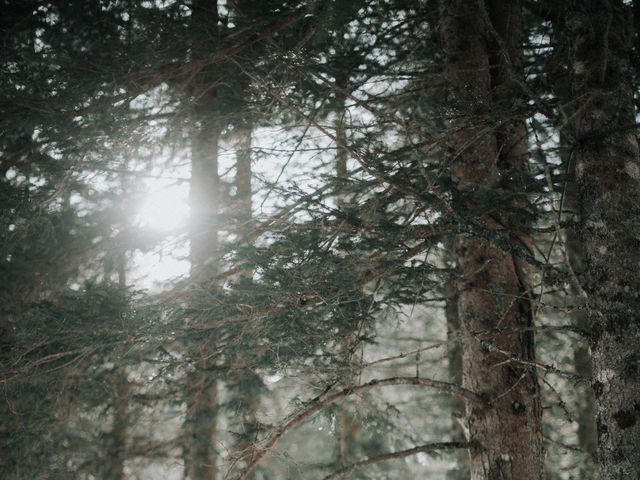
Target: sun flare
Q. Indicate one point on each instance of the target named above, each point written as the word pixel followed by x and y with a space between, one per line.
pixel 165 207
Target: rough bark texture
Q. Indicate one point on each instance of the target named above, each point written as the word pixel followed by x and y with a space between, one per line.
pixel 585 412
pixel 493 302
pixel 608 180
pixel 201 392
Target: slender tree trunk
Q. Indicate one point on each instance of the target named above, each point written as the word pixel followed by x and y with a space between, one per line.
pixel 200 424
pixel 608 181
pixel 201 391
pixel 246 383
pixel 341 141
pixel 347 425
pixel 494 305
pixel 454 357
pixel 119 431
pixel 585 416
pixel 243 178
pixel 117 451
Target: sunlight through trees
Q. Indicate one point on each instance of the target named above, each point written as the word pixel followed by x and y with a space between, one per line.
pixel 319 239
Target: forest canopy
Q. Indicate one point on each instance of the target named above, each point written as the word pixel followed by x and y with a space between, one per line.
pixel 319 239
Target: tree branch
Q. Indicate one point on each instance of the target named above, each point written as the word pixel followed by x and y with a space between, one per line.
pixel 427 448
pixel 319 403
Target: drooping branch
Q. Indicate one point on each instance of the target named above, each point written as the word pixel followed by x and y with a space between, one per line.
pixel 427 448
pixel 143 81
pixel 321 401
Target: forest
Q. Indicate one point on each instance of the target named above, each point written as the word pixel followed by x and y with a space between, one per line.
pixel 319 239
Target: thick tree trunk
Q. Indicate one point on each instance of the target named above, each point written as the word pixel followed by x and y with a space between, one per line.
pixel 494 305
pixel 201 392
pixel 608 180
pixel 585 413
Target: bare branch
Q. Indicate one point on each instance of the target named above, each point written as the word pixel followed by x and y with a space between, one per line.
pixel 319 403
pixel 427 448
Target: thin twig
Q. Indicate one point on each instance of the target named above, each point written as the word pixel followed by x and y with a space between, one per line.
pixel 319 403
pixel 427 448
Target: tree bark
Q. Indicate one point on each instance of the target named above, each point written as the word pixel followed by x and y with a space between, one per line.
pixel 119 431
pixel 454 357
pixel 348 426
pixel 585 416
pixel 243 178
pixel 202 393
pixel 118 448
pixel 494 304
pixel 605 149
pixel 246 383
pixel 200 424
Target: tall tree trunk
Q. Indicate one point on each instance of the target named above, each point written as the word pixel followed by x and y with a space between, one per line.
pixel 200 424
pixel 454 357
pixel 494 304
pixel 585 416
pixel 347 425
pixel 118 435
pixel 117 447
pixel 608 181
pixel 201 391
pixel 246 383
pixel 243 178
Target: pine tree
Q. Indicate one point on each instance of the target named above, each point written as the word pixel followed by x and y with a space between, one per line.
pixel 605 152
pixel 494 302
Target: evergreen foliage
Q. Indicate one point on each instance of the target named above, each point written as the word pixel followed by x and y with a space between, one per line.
pixel 316 317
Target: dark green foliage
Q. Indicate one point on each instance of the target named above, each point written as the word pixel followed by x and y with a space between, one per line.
pixel 56 371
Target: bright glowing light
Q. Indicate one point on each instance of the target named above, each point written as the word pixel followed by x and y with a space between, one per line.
pixel 156 269
pixel 163 212
pixel 165 207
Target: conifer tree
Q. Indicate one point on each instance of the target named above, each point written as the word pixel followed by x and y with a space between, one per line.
pixel 605 152
pixel 201 461
pixel 494 301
